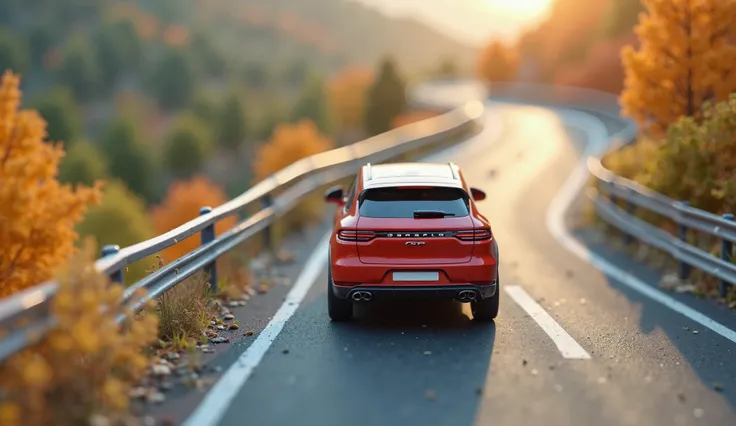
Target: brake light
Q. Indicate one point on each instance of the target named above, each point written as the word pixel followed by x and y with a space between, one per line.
pixel 349 235
pixel 475 235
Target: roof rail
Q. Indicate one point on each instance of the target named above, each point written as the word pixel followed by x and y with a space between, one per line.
pixel 368 171
pixel 452 169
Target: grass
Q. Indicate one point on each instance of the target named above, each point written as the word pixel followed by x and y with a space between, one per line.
pixel 184 311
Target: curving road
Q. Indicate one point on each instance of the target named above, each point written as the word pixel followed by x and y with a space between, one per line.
pixel 573 345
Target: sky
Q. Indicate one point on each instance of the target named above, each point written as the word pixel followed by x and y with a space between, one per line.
pixel 472 21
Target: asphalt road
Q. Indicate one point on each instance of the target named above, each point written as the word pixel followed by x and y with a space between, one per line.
pixel 571 346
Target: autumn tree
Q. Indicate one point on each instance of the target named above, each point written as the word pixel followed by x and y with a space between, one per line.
pixel 386 98
pixel 696 159
pixel 347 94
pixel 181 204
pixel 602 69
pixel 120 219
pixel 38 212
pixel 686 58
pixel 289 143
pixel 497 62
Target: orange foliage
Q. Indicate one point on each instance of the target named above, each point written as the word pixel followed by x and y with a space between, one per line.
pixel 182 204
pixel 176 35
pixel 686 59
pixel 289 143
pixel 37 213
pixel 602 69
pixel 347 93
pixel 412 117
pixel 564 38
pixel 497 62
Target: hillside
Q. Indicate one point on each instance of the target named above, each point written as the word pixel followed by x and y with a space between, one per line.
pixel 364 35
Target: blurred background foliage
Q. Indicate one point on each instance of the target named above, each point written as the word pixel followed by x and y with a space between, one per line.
pixel 148 95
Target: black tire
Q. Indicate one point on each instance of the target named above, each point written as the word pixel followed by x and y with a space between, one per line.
pixel 338 309
pixel 486 309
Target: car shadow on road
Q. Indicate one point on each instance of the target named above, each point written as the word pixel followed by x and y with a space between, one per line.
pixel 706 353
pixel 422 361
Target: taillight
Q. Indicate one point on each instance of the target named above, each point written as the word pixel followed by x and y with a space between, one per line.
pixel 474 235
pixel 349 235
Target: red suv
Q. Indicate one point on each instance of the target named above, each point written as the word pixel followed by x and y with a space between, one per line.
pixel 411 230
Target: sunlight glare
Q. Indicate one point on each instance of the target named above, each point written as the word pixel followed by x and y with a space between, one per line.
pixel 520 8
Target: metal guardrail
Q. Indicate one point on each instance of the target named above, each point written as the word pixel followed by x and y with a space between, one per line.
pixel 31 307
pixel 612 189
pixel 25 316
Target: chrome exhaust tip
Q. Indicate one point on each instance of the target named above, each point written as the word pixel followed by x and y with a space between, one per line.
pixel 466 295
pixel 357 296
pixel 367 296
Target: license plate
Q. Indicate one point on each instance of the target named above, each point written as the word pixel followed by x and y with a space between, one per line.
pixel 416 276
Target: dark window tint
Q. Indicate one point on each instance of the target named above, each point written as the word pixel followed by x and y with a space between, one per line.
pixel 398 202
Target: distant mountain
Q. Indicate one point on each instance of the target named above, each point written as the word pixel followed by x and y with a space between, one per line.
pixel 364 35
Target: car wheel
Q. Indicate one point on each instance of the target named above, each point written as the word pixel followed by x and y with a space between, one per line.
pixel 487 309
pixel 338 309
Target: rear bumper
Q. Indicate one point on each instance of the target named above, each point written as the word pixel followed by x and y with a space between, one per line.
pixel 449 292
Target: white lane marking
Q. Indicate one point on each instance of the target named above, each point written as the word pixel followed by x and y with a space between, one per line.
pixel 567 346
pixel 213 407
pixel 218 399
pixel 597 142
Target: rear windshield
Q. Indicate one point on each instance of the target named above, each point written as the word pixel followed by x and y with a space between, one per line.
pixel 398 202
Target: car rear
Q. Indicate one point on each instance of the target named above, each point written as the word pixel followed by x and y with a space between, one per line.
pixel 421 237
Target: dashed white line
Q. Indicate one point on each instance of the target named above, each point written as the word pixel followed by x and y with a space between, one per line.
pixel 567 346
pixel 218 399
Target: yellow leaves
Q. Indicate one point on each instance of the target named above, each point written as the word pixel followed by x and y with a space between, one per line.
pixel 88 363
pixel 9 414
pixel 37 213
pixel 686 58
pixel 182 204
pixel 289 143
pixel 497 62
pixel 347 93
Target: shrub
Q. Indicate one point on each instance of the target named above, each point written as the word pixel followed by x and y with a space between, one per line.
pixel 87 364
pixel 121 219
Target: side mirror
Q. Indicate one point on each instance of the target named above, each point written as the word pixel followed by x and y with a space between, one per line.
pixel 478 194
pixel 334 195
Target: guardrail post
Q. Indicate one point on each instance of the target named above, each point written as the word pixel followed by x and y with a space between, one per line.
pixel 628 239
pixel 683 270
pixel 726 254
pixel 267 202
pixel 112 250
pixel 208 235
